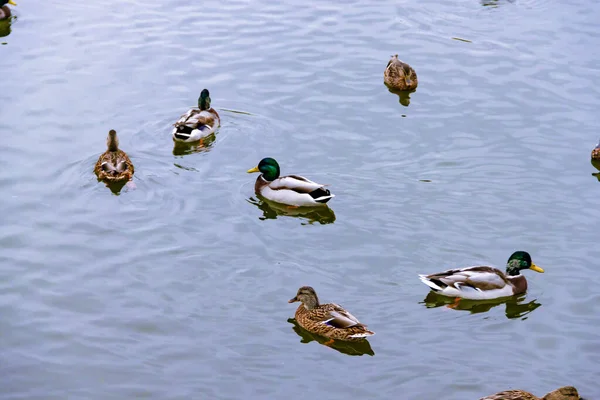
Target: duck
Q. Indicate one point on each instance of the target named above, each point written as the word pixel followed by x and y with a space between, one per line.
pixel 113 165
pixel 4 10
pixel 483 282
pixel 197 123
pixel 399 75
pixel 563 393
pixel 291 190
pixel 596 152
pixel 329 320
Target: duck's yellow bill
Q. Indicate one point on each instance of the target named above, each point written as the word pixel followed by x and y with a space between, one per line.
pixel 536 268
pixel 12 3
pixel 255 169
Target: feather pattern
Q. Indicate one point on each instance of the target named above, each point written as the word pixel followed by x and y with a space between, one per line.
pixel 114 165
pixel 399 75
pixel 329 320
pixel 195 125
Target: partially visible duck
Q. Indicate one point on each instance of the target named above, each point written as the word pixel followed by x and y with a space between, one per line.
pixel 4 10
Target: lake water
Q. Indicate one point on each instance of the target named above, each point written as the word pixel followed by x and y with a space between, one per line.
pixel 178 289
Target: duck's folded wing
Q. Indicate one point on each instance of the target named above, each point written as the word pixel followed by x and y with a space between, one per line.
pixel 481 278
pixel 340 318
pixel 296 183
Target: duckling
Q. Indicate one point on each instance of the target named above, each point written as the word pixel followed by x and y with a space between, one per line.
pixel 113 165
pixel 399 75
pixel 4 10
pixel 563 393
pixel 483 283
pixel 291 190
pixel 198 123
pixel 329 320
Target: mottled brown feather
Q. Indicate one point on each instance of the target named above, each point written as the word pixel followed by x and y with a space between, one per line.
pixel 396 72
pixel 312 321
pixel 563 393
pixel 114 156
pixel 596 153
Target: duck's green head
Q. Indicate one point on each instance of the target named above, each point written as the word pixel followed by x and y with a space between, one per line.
pixel 5 2
pixel 204 100
pixel 307 296
pixel 518 261
pixel 268 167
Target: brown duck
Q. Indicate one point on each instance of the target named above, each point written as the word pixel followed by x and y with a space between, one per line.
pixel 113 165
pixel 596 152
pixel 563 393
pixel 399 75
pixel 329 320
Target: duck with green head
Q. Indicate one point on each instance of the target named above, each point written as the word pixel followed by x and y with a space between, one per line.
pixel 292 190
pixel 329 320
pixel 4 10
pixel 482 282
pixel 197 123
pixel 399 75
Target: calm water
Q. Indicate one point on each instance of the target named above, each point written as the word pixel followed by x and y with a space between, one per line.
pixel 178 289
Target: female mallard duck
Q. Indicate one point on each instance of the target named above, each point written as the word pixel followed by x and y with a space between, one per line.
pixel 483 283
pixel 197 124
pixel 292 190
pixel 4 10
pixel 399 75
pixel 329 320
pixel 596 152
pixel 563 393
pixel 113 165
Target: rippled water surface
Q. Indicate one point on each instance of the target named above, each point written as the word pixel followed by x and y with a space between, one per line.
pixel 178 289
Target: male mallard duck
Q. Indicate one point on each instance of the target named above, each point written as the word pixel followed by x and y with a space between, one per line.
pixel 4 10
pixel 596 152
pixel 483 283
pixel 198 123
pixel 113 165
pixel 329 320
pixel 292 190
pixel 399 75
pixel 563 393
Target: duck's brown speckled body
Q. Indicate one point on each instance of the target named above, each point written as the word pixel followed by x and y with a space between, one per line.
pixel 399 75
pixel 113 165
pixel 329 320
pixel 563 393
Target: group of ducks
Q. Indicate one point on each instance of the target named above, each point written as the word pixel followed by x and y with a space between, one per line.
pixel 331 320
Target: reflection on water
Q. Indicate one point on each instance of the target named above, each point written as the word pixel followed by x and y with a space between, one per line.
pixel 271 210
pixel 596 164
pixel 350 348
pixel 5 26
pixel 203 145
pixel 514 306
pixel 495 3
pixel 116 187
pixel 403 95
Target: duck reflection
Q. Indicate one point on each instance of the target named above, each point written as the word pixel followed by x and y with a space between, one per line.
pixel 515 308
pixel 204 145
pixel 596 164
pixel 271 210
pixel 403 95
pixel 350 348
pixel 495 3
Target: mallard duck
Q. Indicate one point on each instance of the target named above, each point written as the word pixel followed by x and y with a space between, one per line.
pixel 329 320
pixel 197 123
pixel 483 283
pixel 563 393
pixel 291 190
pixel 113 165
pixel 4 10
pixel 399 75
pixel 596 152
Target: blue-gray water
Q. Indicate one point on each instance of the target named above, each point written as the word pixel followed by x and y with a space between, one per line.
pixel 178 289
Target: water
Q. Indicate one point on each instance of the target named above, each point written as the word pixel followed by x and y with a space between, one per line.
pixel 178 289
